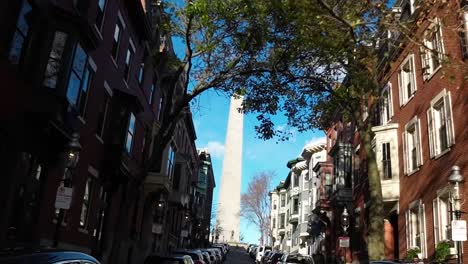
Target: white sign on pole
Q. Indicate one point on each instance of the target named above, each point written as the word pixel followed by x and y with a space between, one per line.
pixel 63 198
pixel 458 230
pixel 344 242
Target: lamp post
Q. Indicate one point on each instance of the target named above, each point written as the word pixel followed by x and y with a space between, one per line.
pixel 345 220
pixel 455 179
pixel 73 149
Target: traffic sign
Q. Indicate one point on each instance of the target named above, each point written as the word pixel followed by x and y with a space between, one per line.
pixel 458 230
pixel 63 198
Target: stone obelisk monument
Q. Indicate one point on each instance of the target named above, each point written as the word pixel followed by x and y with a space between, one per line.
pixel 230 192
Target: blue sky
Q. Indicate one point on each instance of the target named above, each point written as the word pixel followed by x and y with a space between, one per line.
pixel 210 114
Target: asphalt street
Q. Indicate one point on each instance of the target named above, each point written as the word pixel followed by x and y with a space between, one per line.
pixel 238 256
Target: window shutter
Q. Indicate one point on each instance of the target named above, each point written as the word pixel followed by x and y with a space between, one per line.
pixel 418 146
pixel 423 229
pixel 408 229
pixel 390 100
pixel 405 152
pixel 413 75
pixel 449 119
pixel 430 132
pixel 424 62
pixel 435 211
pixel 400 90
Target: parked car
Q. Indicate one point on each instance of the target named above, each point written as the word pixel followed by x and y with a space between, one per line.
pixel 275 258
pixel 211 255
pixel 297 259
pixel 215 252
pixel 260 252
pixel 195 254
pixel 222 248
pixel 45 256
pixel 250 247
pixel 175 259
pixel 253 252
pixel 265 256
pixel 206 257
pixel 219 252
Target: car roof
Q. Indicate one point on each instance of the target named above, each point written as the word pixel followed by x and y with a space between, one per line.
pixel 44 256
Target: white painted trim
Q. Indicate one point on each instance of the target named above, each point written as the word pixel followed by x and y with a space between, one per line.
pixel 92 64
pixel 121 19
pixel 132 45
pixel 108 89
pixel 93 171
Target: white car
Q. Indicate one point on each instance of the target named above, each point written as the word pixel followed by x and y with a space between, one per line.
pixel 261 250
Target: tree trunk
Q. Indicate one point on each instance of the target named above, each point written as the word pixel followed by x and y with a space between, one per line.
pixel 376 218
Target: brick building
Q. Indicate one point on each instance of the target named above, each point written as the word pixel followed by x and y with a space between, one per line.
pixel 86 68
pixel 425 93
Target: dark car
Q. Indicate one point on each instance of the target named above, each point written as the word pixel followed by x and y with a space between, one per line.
pixel 275 258
pixel 51 256
pixel 195 254
pixel 175 259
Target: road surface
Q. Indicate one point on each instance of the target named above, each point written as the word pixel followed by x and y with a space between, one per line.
pixel 238 256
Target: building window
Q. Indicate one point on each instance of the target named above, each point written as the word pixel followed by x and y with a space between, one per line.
pixel 274 205
pixel 85 207
pixel 432 53
pixel 282 220
pixel 440 124
pixel 170 161
pixel 150 97
pixel 386 161
pixel 464 35
pixel 130 134
pixel 407 80
pixel 177 174
pixel 274 222
pixel 100 12
pixel 442 218
pixel 116 39
pixel 128 63
pixel 415 227
pixel 21 33
pixel 295 206
pixel 54 62
pixel 412 150
pixel 283 200
pixel 102 117
pixel 296 180
pixel 387 104
pixel 79 80
pixel 141 72
pixel 160 109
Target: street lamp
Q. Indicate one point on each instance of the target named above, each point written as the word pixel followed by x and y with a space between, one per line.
pixel 72 148
pixel 345 220
pixel 455 179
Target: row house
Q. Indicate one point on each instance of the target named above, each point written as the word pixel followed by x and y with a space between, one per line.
pixel 290 202
pixel 83 83
pixel 421 134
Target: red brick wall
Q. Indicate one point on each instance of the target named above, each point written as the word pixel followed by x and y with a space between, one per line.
pixel 433 174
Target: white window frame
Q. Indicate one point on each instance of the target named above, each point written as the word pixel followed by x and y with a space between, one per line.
pixel 427 50
pixel 441 101
pixel 404 80
pixel 442 215
pixel 416 208
pixel 387 109
pixel 407 138
pixel 464 34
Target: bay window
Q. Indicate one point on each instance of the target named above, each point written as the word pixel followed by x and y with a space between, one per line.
pixel 54 63
pixel 21 33
pixel 130 134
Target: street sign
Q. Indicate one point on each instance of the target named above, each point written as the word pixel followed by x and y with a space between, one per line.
pixel 63 198
pixel 458 230
pixel 344 241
